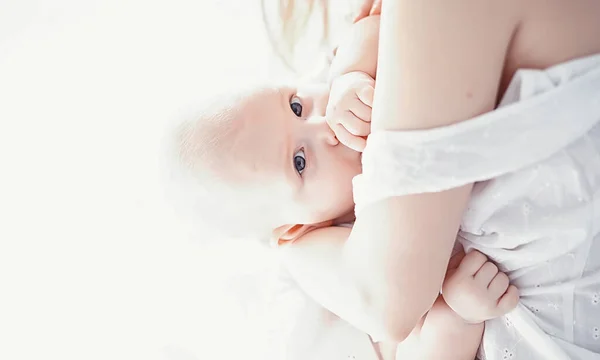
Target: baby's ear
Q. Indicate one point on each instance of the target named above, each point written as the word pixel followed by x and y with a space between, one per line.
pixel 293 232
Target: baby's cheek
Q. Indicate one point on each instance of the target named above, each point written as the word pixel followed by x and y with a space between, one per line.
pixel 341 185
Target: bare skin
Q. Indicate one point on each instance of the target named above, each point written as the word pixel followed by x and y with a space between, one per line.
pixel 469 71
pixel 532 34
pixel 548 33
pixel 552 32
pixel 430 45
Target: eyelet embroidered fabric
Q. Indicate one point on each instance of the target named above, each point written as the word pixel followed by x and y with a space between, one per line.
pixel 535 206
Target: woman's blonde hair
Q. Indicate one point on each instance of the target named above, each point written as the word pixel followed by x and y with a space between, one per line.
pixel 291 24
pixel 287 22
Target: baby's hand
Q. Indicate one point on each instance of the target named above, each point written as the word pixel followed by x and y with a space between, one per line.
pixel 349 108
pixel 476 290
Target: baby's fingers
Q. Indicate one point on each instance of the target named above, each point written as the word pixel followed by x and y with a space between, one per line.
pixel 508 301
pixel 355 126
pixel 472 262
pixel 455 260
pixel 498 285
pixel 354 142
pixel 360 110
pixel 486 274
pixel 366 95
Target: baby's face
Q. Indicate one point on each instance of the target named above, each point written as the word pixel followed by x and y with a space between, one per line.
pixel 285 156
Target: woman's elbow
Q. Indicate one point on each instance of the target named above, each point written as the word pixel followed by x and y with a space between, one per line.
pixel 389 329
pixel 394 323
pixel 398 324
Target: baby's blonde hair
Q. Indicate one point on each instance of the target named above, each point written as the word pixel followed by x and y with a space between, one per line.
pixel 197 151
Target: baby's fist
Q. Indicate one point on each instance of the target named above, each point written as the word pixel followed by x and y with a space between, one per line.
pixel 349 108
pixel 477 291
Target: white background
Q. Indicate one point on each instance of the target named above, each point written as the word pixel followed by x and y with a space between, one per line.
pixel 93 265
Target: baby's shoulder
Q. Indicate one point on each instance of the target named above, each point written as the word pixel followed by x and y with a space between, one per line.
pixel 357 50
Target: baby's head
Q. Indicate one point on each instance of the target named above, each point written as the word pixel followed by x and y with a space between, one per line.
pixel 265 160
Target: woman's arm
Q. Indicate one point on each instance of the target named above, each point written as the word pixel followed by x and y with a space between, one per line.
pixel 314 261
pixel 440 62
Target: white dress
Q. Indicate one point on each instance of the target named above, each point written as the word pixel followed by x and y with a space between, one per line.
pixel 535 207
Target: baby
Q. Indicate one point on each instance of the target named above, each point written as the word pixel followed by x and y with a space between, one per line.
pixel 279 161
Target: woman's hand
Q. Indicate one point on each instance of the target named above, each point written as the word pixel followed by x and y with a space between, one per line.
pixel 367 8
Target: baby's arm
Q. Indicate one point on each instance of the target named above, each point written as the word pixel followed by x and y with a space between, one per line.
pixel 474 291
pixel 315 261
pixel 442 334
pixel 358 51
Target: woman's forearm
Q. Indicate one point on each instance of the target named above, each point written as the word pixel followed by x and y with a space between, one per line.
pixel 398 252
pixel 433 70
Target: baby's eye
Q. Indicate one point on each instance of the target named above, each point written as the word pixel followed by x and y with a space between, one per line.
pixel 299 161
pixel 296 106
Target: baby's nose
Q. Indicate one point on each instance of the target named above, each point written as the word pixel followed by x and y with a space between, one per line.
pixel 328 135
pixel 320 130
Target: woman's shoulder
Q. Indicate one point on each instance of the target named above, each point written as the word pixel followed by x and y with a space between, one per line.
pixel 558 31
